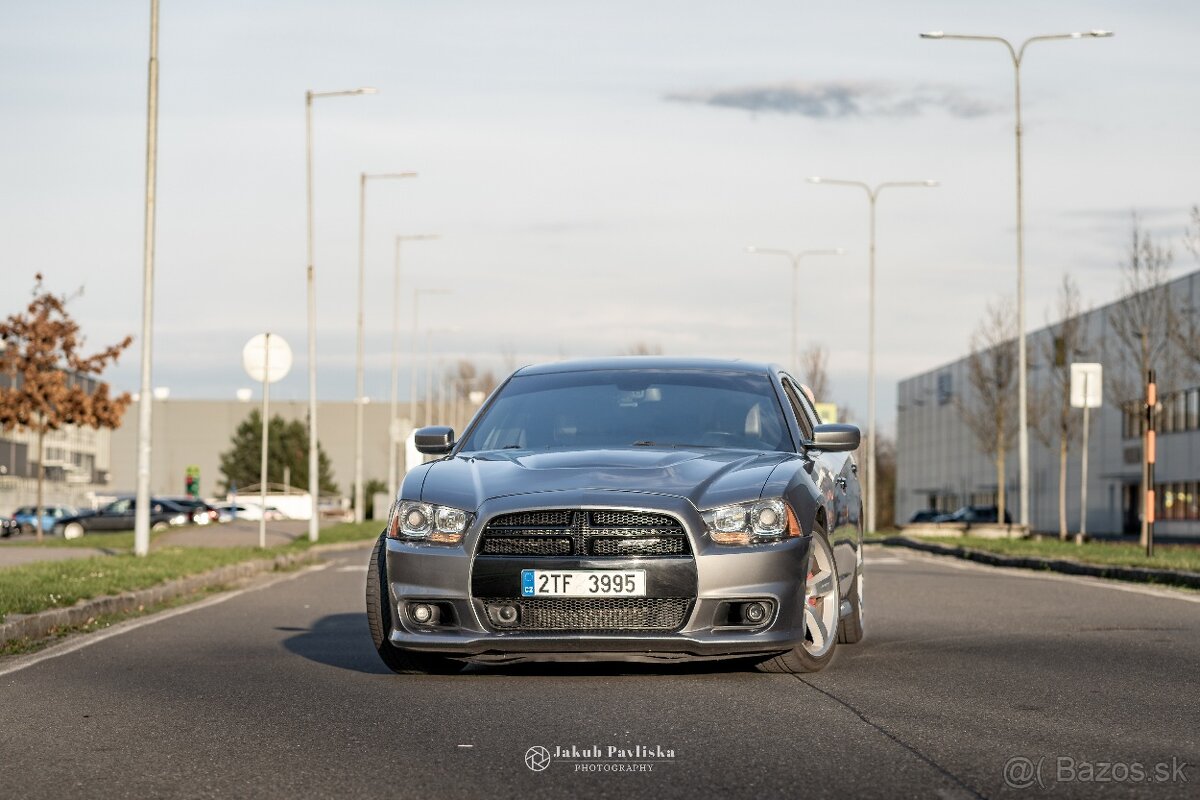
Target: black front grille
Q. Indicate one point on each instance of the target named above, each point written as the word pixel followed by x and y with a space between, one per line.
pixel 600 533
pixel 594 613
pixel 527 546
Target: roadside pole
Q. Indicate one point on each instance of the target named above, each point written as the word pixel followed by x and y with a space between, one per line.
pixel 266 358
pixel 262 469
pixel 1148 453
pixel 1087 384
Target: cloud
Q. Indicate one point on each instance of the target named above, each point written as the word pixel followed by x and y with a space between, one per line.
pixel 839 100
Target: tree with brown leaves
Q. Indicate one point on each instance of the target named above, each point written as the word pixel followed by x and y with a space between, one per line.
pixel 42 349
pixel 991 413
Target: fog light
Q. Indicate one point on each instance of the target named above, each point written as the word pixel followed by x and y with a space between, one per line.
pixel 754 613
pixel 504 614
pixel 422 614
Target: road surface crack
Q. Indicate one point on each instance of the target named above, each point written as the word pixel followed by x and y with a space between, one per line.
pixel 910 748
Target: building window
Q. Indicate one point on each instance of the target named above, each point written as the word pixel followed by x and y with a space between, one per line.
pixel 1177 501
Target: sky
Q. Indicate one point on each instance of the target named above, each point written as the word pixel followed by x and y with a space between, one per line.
pixel 595 172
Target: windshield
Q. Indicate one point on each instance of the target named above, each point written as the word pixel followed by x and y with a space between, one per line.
pixel 633 408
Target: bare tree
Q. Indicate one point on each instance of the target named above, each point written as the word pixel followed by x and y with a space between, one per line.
pixel 1187 334
pixel 643 349
pixel 54 382
pixel 814 369
pixel 1142 321
pixel 1056 422
pixel 991 412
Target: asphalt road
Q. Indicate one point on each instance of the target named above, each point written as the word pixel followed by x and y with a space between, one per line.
pixel 277 692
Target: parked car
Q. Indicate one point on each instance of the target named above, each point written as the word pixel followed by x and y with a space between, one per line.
pixel 630 508
pixel 200 512
pixel 119 515
pixel 8 527
pixel 250 511
pixel 925 515
pixel 977 515
pixel 26 517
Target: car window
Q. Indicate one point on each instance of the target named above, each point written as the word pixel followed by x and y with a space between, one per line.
pixel 799 408
pixel 119 507
pixel 623 408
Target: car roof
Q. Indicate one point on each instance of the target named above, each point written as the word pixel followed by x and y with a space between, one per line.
pixel 647 362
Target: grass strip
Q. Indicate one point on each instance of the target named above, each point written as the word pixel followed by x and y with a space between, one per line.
pixel 42 585
pixel 1180 557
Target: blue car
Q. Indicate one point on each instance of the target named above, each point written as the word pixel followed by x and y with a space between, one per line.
pixel 26 517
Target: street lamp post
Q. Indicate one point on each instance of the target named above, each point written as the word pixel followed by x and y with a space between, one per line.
pixel 359 368
pixel 1018 56
pixel 393 422
pixel 872 196
pixel 141 519
pixel 412 361
pixel 795 258
pixel 314 477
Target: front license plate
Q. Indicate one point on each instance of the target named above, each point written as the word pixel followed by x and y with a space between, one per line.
pixel 583 583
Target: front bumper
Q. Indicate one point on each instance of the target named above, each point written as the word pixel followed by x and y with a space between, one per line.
pixel 445 575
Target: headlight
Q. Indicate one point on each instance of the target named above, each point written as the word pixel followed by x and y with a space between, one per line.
pixel 413 521
pixel 751 523
pixel 179 519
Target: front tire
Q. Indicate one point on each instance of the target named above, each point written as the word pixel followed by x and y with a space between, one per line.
pixel 379 621
pixel 853 627
pixel 822 606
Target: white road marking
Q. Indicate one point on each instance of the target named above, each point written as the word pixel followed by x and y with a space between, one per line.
pixel 353 568
pixel 1083 580
pixel 465 745
pixel 82 640
pixel 873 561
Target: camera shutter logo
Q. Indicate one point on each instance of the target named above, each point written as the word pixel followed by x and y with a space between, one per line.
pixel 537 758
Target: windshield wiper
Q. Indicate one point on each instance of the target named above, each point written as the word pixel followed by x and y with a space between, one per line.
pixel 647 443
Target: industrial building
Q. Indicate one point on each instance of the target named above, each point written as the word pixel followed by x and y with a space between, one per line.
pixel 941 465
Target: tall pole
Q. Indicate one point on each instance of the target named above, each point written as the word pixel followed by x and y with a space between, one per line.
pixel 872 196
pixel 314 477
pixel 794 258
pixel 266 425
pixel 393 421
pixel 1083 469
pixel 428 380
pixel 141 522
pixel 314 466
pixel 1018 56
pixel 359 368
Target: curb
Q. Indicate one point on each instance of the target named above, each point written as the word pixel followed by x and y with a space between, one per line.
pixel 1168 577
pixel 42 623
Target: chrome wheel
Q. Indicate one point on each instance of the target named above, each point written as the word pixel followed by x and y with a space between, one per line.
pixel 73 531
pixel 821 600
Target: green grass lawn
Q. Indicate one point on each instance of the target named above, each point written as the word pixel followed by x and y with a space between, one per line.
pixel 34 587
pixel 1119 554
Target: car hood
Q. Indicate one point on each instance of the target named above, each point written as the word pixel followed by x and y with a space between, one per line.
pixel 705 477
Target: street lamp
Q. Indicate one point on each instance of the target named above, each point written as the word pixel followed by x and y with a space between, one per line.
pixel 363 177
pixel 795 259
pixel 393 423
pixel 141 516
pixel 1018 56
pixel 314 475
pixel 872 195
pixel 412 365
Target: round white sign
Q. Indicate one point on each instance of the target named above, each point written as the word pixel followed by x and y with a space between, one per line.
pixel 256 362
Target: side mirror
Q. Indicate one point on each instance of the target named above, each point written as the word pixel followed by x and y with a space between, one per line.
pixel 436 440
pixel 835 437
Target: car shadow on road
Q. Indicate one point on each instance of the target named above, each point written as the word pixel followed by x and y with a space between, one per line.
pixel 338 640
pixel 343 641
